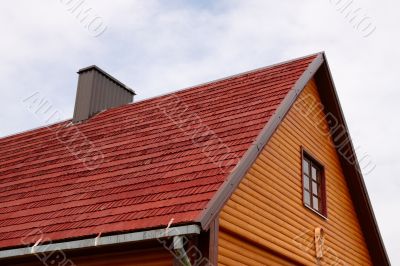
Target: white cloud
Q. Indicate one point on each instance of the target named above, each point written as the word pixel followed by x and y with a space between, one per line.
pixel 159 46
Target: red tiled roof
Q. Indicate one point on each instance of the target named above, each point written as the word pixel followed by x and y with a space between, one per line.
pixel 164 158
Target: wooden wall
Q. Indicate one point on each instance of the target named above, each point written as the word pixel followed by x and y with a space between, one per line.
pixel 147 257
pixel 265 216
pixel 132 256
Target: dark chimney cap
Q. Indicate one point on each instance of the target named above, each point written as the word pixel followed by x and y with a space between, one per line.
pixel 85 69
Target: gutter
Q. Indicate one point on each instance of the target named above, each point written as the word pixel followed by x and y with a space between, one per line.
pixel 158 234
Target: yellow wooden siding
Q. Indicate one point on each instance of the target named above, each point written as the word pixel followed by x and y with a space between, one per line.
pixel 233 251
pixel 267 209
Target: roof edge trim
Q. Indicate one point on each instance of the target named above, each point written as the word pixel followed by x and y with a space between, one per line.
pixel 228 187
pixel 375 243
pixel 103 241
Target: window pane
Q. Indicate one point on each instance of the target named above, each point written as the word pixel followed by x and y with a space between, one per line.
pixel 313 180
pixel 306 182
pixel 307 199
pixel 315 188
pixel 315 203
pixel 314 173
pixel 306 167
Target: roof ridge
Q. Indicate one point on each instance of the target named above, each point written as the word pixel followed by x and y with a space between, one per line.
pixel 35 129
pixel 170 93
pixel 227 77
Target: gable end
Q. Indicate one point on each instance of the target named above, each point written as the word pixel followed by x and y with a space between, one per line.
pixel 319 70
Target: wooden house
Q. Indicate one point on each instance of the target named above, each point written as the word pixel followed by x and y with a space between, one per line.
pixel 253 169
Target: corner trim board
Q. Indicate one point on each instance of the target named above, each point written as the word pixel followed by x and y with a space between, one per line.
pixel 355 178
pixel 213 245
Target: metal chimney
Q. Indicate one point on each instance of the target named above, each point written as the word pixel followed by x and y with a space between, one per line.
pixel 98 91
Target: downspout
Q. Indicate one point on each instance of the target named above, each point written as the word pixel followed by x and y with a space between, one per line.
pixel 180 252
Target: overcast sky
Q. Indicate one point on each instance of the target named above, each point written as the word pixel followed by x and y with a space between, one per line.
pixel 157 47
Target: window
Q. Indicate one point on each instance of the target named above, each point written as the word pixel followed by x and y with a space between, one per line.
pixel 313 185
